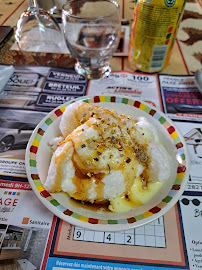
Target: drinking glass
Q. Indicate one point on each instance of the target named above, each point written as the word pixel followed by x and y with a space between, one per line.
pixel 52 6
pixel 92 31
pixel 38 31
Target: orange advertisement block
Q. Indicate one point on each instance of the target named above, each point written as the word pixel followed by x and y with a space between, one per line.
pixel 159 242
pixel 25 220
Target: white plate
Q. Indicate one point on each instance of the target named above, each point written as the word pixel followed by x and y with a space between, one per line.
pixel 38 155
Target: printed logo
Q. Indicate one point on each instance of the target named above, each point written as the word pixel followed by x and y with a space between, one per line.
pixel 25 220
pixel 28 221
pixel 8 201
pixel 11 193
pixel 169 3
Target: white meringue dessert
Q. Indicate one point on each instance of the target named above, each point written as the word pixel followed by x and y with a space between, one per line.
pixel 102 158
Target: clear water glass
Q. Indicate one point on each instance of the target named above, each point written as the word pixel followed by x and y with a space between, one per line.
pixel 38 31
pixel 92 31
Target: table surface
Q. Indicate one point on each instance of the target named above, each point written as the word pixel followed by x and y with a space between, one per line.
pixel 186 55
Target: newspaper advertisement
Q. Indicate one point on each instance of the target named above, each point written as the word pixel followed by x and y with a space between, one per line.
pixel 24 231
pixel 181 98
pixel 192 133
pixel 142 87
pixel 32 238
pixel 29 95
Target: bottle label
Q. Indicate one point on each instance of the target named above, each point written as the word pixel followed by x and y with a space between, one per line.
pixel 152 32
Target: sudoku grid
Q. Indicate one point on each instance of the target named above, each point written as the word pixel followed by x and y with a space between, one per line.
pixel 150 235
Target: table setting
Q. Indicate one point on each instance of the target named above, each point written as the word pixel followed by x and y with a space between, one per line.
pixel 100 134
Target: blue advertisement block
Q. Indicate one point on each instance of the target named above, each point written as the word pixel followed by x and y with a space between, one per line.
pixel 65 263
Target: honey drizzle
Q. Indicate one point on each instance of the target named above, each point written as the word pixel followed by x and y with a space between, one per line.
pixel 83 182
pixel 58 164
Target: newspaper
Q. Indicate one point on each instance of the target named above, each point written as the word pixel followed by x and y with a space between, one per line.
pixel 31 237
pixel 181 98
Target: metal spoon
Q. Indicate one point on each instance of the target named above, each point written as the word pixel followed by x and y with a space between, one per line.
pixel 198 79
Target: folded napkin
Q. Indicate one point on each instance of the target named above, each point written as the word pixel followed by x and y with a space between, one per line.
pixel 5 73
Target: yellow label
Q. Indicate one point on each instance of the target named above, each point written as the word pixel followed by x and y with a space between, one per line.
pixel 153 30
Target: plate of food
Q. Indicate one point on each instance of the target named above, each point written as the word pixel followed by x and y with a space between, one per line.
pixel 107 163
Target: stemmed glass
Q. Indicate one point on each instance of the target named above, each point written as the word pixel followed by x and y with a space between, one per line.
pixel 37 30
pixel 52 6
pixel 92 31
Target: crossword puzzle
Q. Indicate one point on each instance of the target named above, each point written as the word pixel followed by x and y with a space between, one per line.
pixel 150 235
